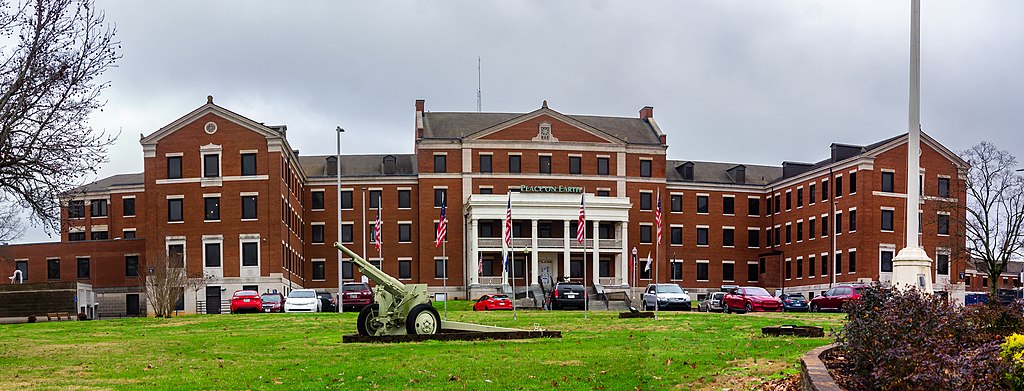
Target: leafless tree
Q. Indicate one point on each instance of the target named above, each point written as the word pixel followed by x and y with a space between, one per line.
pixel 10 222
pixel 51 55
pixel 994 225
pixel 165 281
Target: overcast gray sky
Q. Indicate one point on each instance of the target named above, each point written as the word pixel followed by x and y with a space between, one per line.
pixel 754 82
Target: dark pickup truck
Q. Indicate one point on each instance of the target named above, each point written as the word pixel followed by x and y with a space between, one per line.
pixel 568 294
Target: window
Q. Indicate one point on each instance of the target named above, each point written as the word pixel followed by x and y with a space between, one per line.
pixel 645 168
pixel 76 236
pixel 789 269
pixel 753 207
pixel 249 207
pixel 604 268
pixel 886 261
pixel 174 210
pixel 853 261
pixel 887 217
pixel 602 166
pixel 778 236
pixel 440 164
pixel 439 195
pixel 485 164
pixel 545 164
pixel 515 164
pixel 799 268
pixel 853 182
pixel 250 254
pixel 486 190
pixel 853 220
pixel 318 200
pixel 942 264
pixel 677 270
pixel 603 193
pixel 319 269
pixel 943 187
pixel 810 266
pixel 702 204
pixel 176 255
pixel 645 201
pixel 702 271
pixel 53 269
pixel 778 204
pixel 761 266
pixel 839 223
pixel 98 208
pixel 645 234
pixel 799 231
pixel 346 233
pixel 789 233
pixel 751 272
pixel 318 233
pixel 346 199
pixel 789 200
pixel 677 202
pixel 677 235
pixel 99 235
pixel 346 270
pixel 129 234
pixel 888 179
pixel 212 208
pixel 576 270
pixel 439 271
pixel 943 224
pixel 839 262
pixel 76 209
pixel 728 271
pixel 575 164
pixel 375 198
pixel 839 186
pixel 248 164
pixel 131 266
pixel 810 228
pixel 811 196
pixel 128 207
pixel 824 226
pixel 824 264
pixel 174 167
pixel 753 238
pixel 405 199
pixel 405 233
pixel 824 190
pixel 727 237
pixel 211 254
pixel 728 205
pixel 404 269
pixel 211 165
pixel 83 267
pixel 702 236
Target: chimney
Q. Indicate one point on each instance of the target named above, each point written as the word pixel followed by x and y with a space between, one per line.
pixel 419 118
pixel 419 105
pixel 647 112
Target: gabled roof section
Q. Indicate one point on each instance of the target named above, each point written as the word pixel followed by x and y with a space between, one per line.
pixel 210 107
pixel 358 165
pixel 719 173
pixel 105 184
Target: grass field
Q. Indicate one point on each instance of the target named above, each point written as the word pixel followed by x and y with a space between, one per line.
pixel 304 351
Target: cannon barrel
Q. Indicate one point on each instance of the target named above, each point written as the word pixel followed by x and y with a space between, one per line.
pixel 392 285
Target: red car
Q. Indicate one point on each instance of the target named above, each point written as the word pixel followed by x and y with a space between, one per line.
pixel 272 302
pixel 833 299
pixel 750 298
pixel 356 295
pixel 246 301
pixel 493 302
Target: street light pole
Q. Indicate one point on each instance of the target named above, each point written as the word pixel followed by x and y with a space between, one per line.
pixel 635 266
pixel 341 273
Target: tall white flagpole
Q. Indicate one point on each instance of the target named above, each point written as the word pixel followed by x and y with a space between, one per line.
pixel 512 255
pixel 586 298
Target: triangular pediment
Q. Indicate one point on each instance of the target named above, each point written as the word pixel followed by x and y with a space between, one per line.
pixel 544 125
pixel 209 108
pixel 926 140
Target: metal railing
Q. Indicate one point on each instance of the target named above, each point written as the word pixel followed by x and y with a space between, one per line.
pixel 225 306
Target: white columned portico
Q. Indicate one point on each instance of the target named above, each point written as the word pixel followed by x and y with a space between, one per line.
pixel 474 254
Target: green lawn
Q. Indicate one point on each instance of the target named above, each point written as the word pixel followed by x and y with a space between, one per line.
pixel 304 351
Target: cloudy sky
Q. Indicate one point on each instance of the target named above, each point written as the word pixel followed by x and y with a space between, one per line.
pixel 754 82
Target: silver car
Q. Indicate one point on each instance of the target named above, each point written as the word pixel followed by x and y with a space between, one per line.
pixel 666 297
pixel 712 303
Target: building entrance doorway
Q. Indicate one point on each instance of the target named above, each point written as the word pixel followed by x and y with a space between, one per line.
pixel 212 299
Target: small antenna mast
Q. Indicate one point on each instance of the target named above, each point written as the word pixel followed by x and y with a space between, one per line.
pixel 478 99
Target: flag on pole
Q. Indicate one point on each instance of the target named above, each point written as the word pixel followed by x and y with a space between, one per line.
pixel 581 226
pixel 480 264
pixel 376 230
pixel 647 268
pixel 442 225
pixel 657 217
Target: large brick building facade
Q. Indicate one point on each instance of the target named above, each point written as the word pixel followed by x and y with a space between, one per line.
pixel 235 199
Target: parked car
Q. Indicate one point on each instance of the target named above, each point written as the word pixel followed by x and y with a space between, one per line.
pixel 493 302
pixel 356 295
pixel 794 302
pixel 751 298
pixel 666 297
pixel 272 302
pixel 302 300
pixel 568 294
pixel 712 303
pixel 327 302
pixel 833 299
pixel 246 301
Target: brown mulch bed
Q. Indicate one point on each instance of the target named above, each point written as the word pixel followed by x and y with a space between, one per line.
pixel 791 383
pixel 841 369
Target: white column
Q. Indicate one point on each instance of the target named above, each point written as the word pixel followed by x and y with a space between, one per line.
pixel 595 266
pixel 625 259
pixel 534 261
pixel 565 247
pixel 474 253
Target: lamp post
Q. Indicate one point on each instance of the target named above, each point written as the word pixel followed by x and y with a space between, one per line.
pixel 341 273
pixel 634 269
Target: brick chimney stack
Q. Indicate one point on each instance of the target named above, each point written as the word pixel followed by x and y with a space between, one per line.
pixel 647 112
pixel 419 118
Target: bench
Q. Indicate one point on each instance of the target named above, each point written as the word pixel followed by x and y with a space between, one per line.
pixel 607 296
pixel 51 316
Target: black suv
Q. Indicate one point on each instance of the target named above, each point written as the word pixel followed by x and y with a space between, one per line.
pixel 568 294
pixel 327 303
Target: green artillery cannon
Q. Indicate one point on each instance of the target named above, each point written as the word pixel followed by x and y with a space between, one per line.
pixel 398 308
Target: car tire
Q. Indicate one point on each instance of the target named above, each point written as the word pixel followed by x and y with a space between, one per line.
pixel 725 309
pixel 367 314
pixel 840 307
pixel 747 308
pixel 814 308
pixel 423 320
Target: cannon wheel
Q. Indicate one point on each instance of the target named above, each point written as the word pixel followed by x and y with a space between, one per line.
pixel 423 319
pixel 367 314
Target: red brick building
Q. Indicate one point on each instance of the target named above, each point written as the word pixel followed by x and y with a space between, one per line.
pixel 240 204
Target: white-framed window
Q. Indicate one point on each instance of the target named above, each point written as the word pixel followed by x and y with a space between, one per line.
pixel 319 266
pixel 128 233
pixel 799 268
pixel 676 272
pixel 404 268
pixel 210 160
pixel 789 269
pixel 249 254
pixel 174 247
pixel 942 261
pixel 702 270
pixel 213 251
pixel 851 260
pixel 317 234
pixel 728 271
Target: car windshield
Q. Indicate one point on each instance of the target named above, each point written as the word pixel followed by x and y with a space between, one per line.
pixel 756 292
pixel 669 288
pixel 302 294
pixel 795 296
pixel 718 296
pixel 500 297
pixel 860 290
pixel 246 293
pixel 271 298
pixel 356 287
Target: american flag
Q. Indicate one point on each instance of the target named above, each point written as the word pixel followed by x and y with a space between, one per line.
pixel 581 226
pixel 657 217
pixel 376 230
pixel 442 225
pixel 508 222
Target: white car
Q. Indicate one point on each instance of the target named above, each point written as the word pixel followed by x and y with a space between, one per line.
pixel 302 300
pixel 666 297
